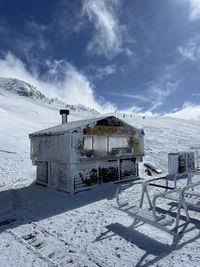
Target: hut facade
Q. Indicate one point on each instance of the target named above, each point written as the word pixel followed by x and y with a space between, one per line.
pixel 75 156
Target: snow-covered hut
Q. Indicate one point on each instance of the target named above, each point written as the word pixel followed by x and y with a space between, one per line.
pixel 77 155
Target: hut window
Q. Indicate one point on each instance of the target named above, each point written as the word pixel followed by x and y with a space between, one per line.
pixel 95 145
pixel 103 145
pixel 100 145
pixel 119 145
pixel 88 142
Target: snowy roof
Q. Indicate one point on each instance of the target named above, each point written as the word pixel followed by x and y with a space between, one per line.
pixel 73 126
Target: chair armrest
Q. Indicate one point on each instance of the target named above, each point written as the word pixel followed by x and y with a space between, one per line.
pixel 122 188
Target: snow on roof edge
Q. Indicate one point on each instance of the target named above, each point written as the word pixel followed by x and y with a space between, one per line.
pixel 73 125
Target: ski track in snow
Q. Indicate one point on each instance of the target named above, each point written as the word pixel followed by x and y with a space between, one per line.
pixel 51 248
pixel 85 229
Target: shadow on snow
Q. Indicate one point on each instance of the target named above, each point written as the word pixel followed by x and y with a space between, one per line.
pixel 150 245
pixel 35 203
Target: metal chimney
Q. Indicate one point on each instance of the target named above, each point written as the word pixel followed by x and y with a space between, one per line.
pixel 64 113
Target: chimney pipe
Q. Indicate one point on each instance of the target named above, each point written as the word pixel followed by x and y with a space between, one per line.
pixel 64 113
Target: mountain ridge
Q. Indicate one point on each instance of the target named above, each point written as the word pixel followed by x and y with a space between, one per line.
pixel 13 86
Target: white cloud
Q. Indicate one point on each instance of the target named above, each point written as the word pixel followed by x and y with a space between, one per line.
pixel 126 95
pixel 62 80
pixel 133 109
pixel 194 9
pixel 100 72
pixel 196 94
pixel 108 38
pixel 155 105
pixel 138 111
pixel 108 70
pixel 191 51
pixel 189 111
pixel 65 82
pixel 164 86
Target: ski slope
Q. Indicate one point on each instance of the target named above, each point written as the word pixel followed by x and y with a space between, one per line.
pixel 24 110
pixel 49 228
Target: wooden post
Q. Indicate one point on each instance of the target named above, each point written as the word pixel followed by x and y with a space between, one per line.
pixel 107 144
pixel 119 169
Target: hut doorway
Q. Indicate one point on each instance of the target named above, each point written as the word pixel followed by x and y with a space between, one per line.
pixel 42 172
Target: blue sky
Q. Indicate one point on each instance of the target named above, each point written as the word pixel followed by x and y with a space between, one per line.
pixel 129 55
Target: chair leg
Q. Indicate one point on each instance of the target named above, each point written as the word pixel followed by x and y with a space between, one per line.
pixel 180 204
pixel 184 205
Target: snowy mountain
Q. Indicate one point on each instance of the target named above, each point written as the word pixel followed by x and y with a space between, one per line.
pixel 14 87
pixel 56 229
pixel 20 88
pixel 23 110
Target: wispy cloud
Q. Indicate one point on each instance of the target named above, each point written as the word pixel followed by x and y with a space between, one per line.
pixel 196 94
pixel 62 80
pixel 29 43
pixel 194 9
pixel 108 70
pixel 109 35
pixel 138 111
pixel 160 90
pixel 154 93
pixel 191 8
pixel 191 50
pixel 162 87
pixel 98 72
pixel 132 96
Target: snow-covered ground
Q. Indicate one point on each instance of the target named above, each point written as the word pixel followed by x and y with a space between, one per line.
pixel 42 227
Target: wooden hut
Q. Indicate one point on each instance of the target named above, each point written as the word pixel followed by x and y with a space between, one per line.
pixel 78 155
